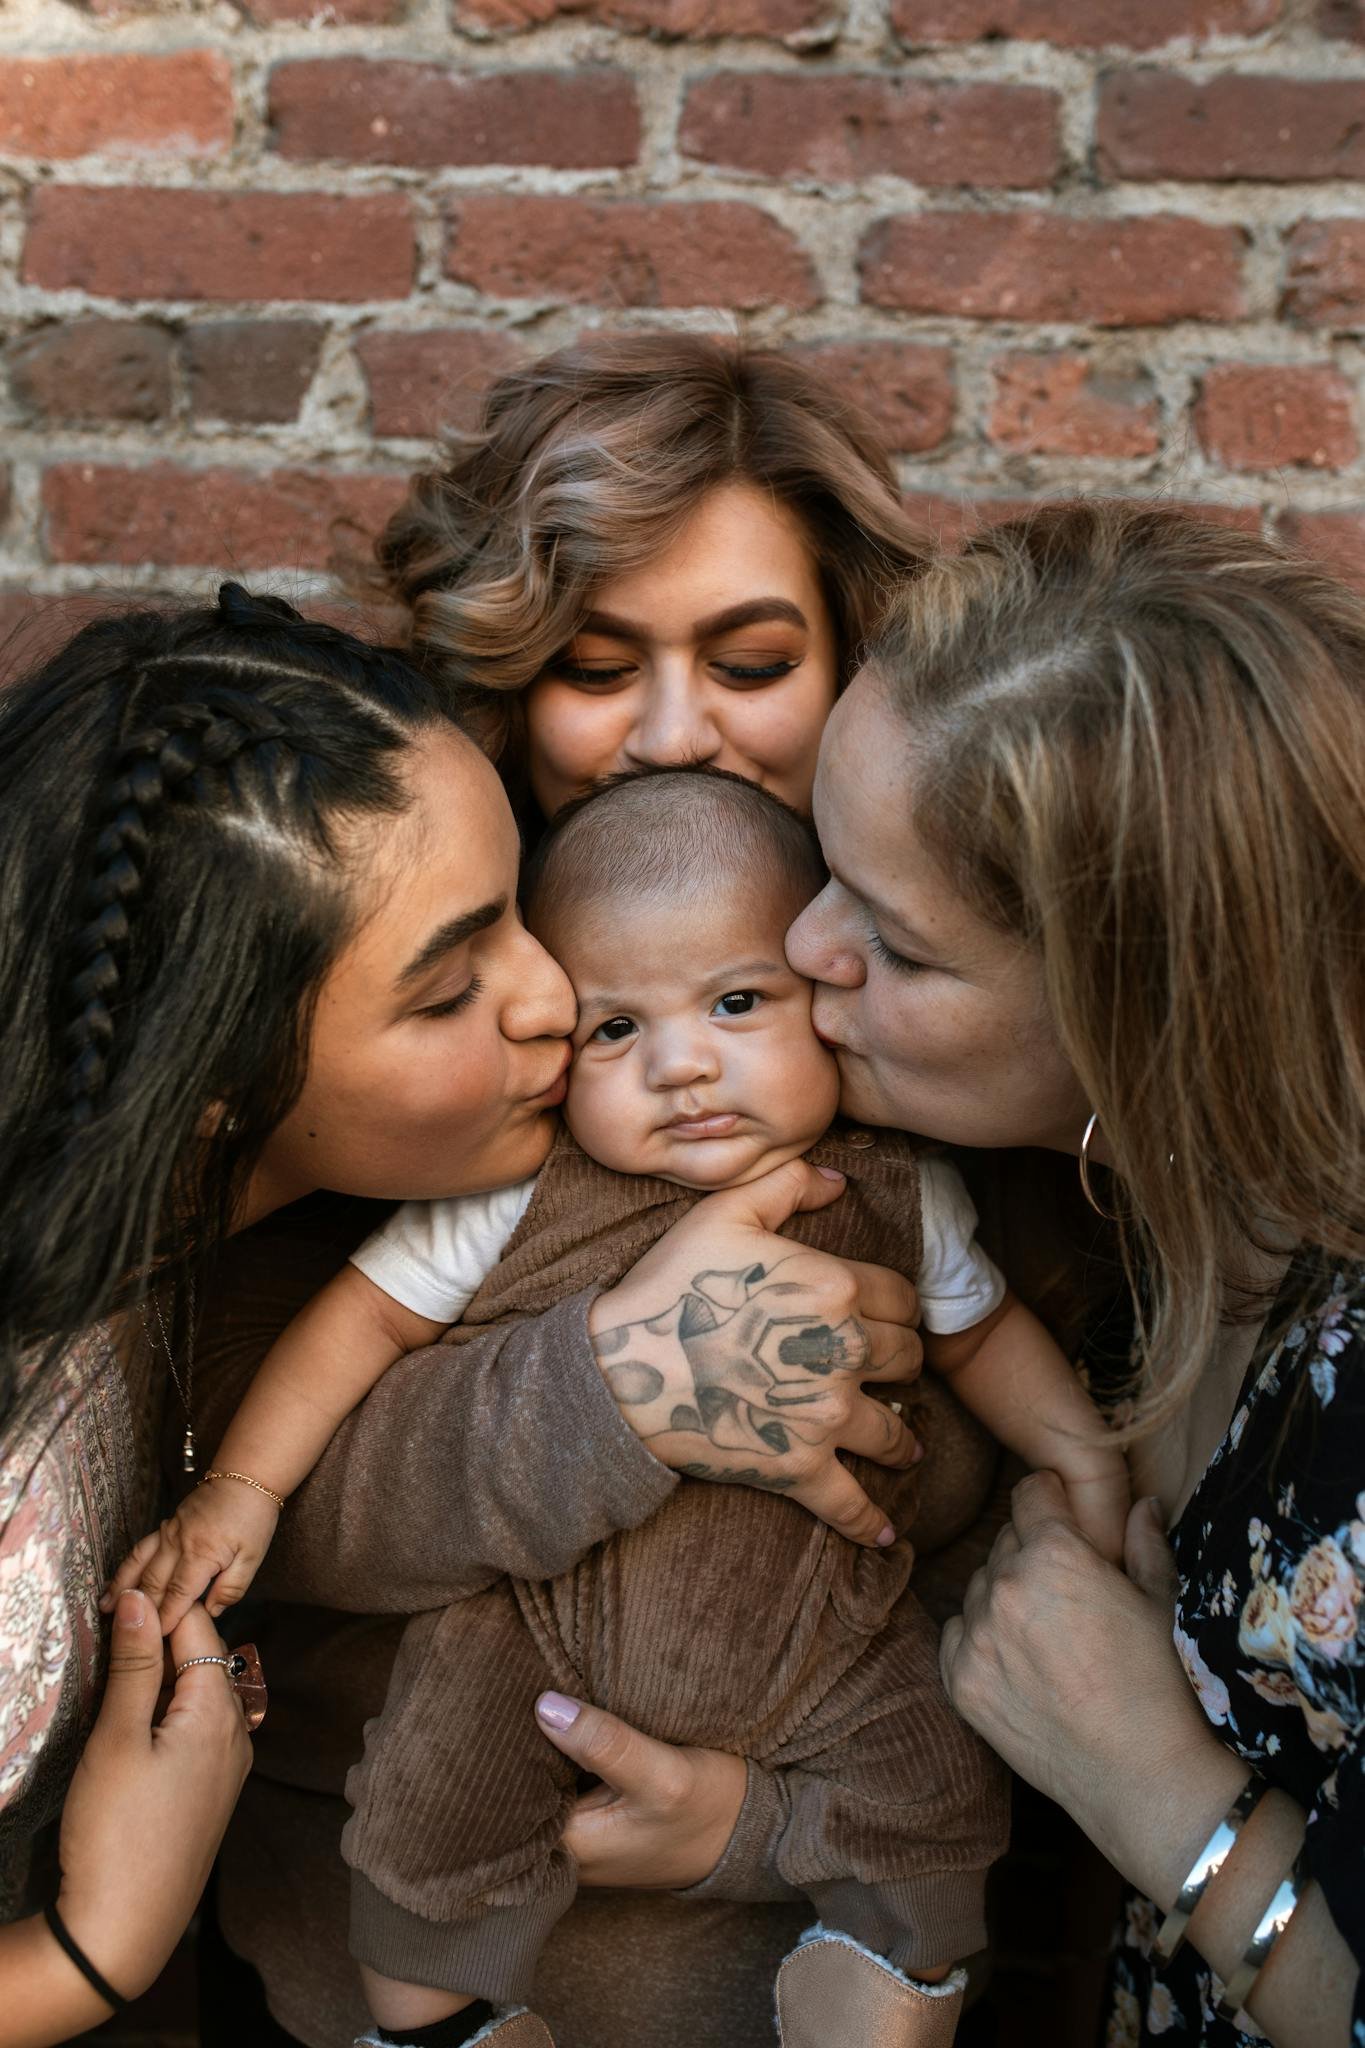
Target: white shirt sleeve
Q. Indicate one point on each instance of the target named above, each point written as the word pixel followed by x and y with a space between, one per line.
pixel 958 1285
pixel 434 1256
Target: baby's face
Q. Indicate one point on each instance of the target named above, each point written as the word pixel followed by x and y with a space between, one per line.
pixel 694 1056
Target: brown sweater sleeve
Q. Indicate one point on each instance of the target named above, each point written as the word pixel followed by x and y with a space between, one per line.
pixel 506 1455
pixel 747 1872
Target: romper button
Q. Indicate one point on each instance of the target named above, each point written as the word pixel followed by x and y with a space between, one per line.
pixel 862 1139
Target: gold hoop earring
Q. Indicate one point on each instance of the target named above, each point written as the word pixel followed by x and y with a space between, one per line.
pixel 1109 1215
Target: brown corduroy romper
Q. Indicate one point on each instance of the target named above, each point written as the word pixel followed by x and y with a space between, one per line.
pixel 731 1618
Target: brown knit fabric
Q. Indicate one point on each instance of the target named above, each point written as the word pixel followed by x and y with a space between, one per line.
pixel 731 1619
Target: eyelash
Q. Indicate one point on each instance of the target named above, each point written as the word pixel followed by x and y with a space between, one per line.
pixel 456 1003
pixel 897 962
pixel 597 1034
pixel 583 677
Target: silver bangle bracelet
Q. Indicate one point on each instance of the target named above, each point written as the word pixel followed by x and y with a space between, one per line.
pixel 1205 1868
pixel 1269 1928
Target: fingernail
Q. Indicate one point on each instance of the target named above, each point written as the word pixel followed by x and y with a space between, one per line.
pixel 557 1710
pixel 829 1172
pixel 919 1452
pixel 131 1611
pixel 888 1535
pixel 1153 1507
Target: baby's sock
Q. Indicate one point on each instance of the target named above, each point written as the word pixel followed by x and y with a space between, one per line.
pixel 447 2033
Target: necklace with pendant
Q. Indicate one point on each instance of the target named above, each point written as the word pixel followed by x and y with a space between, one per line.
pixel 185 1390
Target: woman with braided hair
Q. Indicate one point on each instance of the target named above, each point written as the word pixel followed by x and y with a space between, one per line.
pixel 258 939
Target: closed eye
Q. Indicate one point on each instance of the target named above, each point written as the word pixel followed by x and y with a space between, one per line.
pixel 769 672
pixel 453 1004
pixel 591 678
pixel 897 962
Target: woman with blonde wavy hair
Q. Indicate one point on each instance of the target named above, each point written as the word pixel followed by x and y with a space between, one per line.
pixel 1094 813
pixel 655 548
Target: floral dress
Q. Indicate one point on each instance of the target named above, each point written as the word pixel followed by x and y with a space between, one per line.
pixel 77 1488
pixel 1270 1626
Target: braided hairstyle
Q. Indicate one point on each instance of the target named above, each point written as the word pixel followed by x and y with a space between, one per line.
pixel 178 798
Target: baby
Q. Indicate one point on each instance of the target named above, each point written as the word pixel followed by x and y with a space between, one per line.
pixel 732 1618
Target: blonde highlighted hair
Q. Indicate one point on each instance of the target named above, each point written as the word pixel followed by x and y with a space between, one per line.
pixel 586 464
pixel 1140 746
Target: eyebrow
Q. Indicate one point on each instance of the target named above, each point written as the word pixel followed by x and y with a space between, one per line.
pixel 448 936
pixel 754 611
pixel 727 977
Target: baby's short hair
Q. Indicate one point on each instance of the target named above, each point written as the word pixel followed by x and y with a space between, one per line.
pixel 666 831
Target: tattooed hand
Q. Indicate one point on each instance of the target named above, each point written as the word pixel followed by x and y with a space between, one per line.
pixel 737 1356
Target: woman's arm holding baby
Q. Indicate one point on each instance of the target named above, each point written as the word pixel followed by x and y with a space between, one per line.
pixel 518 1455
pixel 1009 1372
pixel 332 1354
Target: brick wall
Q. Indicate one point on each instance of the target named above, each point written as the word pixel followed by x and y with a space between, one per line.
pixel 255 250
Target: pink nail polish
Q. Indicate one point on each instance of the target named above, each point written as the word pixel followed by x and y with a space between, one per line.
pixel 557 1710
pixel 829 1172
pixel 888 1535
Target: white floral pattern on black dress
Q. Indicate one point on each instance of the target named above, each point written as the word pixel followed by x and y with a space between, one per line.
pixel 1270 1626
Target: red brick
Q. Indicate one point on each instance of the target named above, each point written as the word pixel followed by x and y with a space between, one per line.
pixel 849 128
pixel 1155 124
pixel 256 371
pixel 434 378
pixel 1237 518
pixel 906 391
pixel 1065 405
pixel 1254 416
pixel 214 518
pixel 119 105
pixel 1336 540
pixel 953 520
pixel 34 624
pixel 384 624
pixel 1344 19
pixel 1325 277
pixel 1138 272
pixel 93 370
pixel 123 243
pixel 425 115
pixel 799 24
pixel 324 13
pixel 629 253
pixel 1081 24
pixel 949 519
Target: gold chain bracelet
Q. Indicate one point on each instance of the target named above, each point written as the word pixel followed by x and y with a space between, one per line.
pixel 245 1480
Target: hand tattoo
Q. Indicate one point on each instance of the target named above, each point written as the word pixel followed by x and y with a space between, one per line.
pixel 746 1359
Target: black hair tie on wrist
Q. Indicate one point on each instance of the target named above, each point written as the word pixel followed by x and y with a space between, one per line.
pixel 82 1961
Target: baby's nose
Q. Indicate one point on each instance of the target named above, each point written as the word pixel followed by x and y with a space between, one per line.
pixel 680 1060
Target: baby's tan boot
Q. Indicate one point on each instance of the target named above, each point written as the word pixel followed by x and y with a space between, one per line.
pixel 834 1993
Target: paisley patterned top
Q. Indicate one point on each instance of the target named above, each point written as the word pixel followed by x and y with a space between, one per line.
pixel 77 1488
pixel 1270 1626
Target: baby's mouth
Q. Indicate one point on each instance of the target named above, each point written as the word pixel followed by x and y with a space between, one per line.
pixel 693 1124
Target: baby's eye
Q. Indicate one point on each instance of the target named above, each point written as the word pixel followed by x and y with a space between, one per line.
pixel 614 1030
pixel 738 1003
